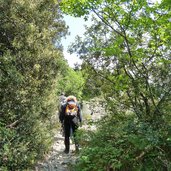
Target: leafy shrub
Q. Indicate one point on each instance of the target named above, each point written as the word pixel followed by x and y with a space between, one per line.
pixel 125 144
pixel 29 69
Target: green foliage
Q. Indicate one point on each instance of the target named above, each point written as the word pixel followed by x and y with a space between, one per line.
pixel 29 66
pixel 92 85
pixel 123 143
pixel 72 83
pixel 126 57
pixel 78 7
pixel 126 49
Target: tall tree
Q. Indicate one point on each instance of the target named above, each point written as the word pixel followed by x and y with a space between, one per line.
pixel 29 67
pixel 127 48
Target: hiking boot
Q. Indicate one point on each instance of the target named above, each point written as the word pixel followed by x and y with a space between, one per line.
pixel 66 151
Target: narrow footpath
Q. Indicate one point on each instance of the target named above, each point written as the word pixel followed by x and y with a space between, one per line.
pixel 57 160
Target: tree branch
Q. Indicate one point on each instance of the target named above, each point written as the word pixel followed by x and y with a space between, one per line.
pixel 12 125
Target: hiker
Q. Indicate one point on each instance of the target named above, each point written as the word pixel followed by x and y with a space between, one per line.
pixel 70 117
pixel 62 101
pixel 62 98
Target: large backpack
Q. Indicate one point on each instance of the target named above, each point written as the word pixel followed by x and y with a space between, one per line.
pixel 71 108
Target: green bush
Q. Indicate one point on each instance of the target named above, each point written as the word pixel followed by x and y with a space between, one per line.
pixel 29 70
pixel 72 83
pixel 125 144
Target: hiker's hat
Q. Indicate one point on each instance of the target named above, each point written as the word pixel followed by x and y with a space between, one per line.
pixel 71 103
pixel 71 99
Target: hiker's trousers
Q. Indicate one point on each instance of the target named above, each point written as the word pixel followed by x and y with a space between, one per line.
pixel 69 130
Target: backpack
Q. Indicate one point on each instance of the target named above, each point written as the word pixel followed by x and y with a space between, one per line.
pixel 71 109
pixel 62 100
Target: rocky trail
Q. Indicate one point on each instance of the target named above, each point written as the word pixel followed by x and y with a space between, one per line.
pixel 57 160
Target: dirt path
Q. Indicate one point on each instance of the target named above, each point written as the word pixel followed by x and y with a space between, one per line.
pixel 57 160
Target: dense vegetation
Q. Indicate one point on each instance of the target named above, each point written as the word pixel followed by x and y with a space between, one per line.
pixel 71 82
pixel 126 58
pixel 30 62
